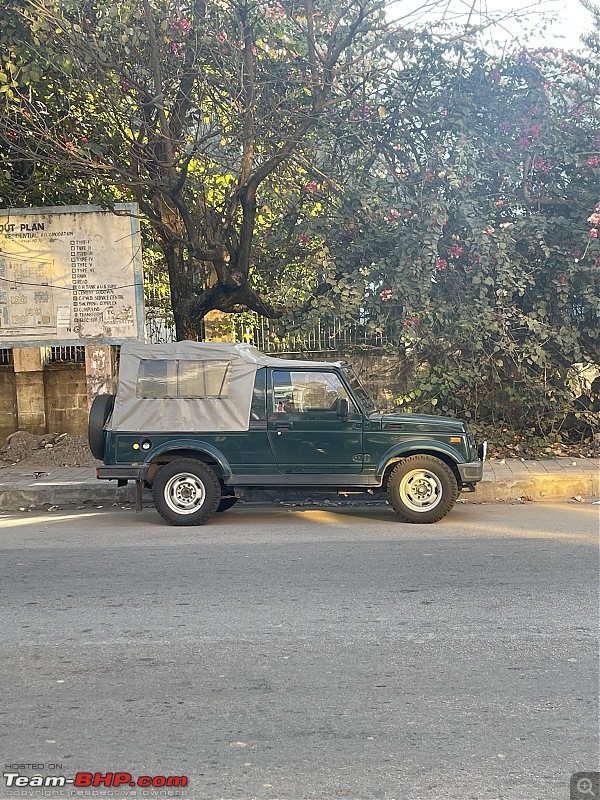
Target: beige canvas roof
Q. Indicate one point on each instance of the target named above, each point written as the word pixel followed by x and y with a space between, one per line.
pixel 231 413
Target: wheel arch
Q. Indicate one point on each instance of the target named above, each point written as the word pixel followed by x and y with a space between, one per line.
pixel 389 461
pixel 200 452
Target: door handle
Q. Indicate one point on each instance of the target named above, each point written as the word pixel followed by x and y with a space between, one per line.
pixel 277 425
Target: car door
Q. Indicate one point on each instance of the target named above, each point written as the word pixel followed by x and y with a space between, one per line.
pixel 305 432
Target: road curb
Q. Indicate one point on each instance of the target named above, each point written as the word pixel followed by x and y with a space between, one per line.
pixel 65 495
pixel 493 488
pixel 537 487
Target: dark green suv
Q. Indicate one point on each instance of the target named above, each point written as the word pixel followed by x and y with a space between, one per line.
pixel 201 423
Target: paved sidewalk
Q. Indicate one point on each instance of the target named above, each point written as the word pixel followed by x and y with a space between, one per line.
pixel 510 479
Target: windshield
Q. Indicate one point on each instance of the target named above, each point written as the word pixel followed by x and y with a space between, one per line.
pixel 366 402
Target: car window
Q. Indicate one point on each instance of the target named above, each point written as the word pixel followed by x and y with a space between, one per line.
pixel 257 410
pixel 304 391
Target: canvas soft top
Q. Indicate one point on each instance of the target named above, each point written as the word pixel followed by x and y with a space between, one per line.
pixel 193 414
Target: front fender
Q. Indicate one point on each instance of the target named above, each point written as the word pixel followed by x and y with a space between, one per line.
pixel 198 447
pixel 413 447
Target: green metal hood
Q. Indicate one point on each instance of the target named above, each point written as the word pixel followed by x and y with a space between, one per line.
pixel 418 423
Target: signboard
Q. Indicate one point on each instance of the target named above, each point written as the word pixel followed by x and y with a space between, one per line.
pixel 70 275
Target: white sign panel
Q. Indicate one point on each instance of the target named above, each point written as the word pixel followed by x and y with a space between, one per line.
pixel 70 275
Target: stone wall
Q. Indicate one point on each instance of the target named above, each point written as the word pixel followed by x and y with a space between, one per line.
pixel 65 391
pixel 8 401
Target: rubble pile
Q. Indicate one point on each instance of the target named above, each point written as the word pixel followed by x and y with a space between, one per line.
pixel 33 451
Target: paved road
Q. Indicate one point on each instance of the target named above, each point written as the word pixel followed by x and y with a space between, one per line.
pixel 306 653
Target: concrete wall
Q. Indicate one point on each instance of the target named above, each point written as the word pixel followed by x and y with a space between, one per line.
pixel 8 401
pixel 65 392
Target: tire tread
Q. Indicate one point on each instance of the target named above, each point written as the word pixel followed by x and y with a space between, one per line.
pixel 449 491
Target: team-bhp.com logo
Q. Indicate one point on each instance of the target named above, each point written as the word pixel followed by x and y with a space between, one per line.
pixel 88 780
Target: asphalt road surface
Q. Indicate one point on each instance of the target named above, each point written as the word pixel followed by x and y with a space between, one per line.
pixel 303 654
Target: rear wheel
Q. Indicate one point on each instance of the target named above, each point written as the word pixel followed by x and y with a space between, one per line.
pixel 422 489
pixel 186 492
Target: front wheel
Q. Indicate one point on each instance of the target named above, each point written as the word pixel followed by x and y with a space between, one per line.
pixel 186 492
pixel 422 489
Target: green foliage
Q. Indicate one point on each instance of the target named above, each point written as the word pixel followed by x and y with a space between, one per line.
pixel 306 161
pixel 478 229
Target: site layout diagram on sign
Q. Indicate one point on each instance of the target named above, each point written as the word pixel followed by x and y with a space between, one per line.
pixel 70 275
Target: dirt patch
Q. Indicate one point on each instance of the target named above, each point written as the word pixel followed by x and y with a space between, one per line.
pixel 50 450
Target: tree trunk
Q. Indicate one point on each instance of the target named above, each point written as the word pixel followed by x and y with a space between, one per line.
pixel 181 280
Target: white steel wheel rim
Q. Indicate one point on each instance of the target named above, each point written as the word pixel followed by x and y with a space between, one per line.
pixel 184 493
pixel 421 490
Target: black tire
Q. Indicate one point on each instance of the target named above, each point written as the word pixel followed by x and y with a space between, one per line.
pixel 186 492
pixel 226 503
pixel 422 489
pixel 100 411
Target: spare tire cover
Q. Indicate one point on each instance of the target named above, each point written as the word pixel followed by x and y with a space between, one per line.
pixel 99 413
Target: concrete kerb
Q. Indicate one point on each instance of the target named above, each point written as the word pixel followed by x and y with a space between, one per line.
pixel 60 494
pixel 549 480
pixel 553 486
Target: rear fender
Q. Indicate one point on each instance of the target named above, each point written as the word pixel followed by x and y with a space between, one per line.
pixel 189 448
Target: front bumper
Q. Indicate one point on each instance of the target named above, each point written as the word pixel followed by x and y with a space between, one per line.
pixel 471 472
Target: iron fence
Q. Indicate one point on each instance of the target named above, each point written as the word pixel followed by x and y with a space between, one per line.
pixel 270 336
pixel 6 356
pixel 63 355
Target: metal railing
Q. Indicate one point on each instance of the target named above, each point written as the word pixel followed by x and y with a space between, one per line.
pixel 65 355
pixel 270 336
pixel 331 335
pixel 6 356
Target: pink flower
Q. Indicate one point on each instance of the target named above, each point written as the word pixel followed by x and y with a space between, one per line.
pixel 303 239
pixel 177 48
pixel 489 230
pixel 275 12
pixel 496 77
pixel 311 186
pixel 455 252
pixel 593 161
pixel 499 202
pixel 182 25
pixel 385 295
pixel 594 219
pixel 88 21
pixel 597 262
pixel 594 233
pixel 542 164
pixel 440 263
pixel 220 37
pixel 562 278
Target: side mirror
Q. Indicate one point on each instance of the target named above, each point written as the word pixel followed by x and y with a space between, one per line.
pixel 342 408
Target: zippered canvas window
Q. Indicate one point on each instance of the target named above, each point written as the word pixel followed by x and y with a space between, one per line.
pixel 175 379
